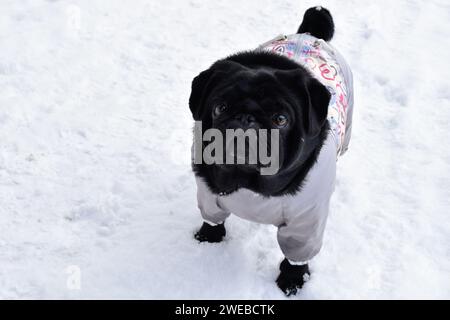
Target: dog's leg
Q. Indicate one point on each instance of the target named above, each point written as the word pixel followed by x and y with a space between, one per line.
pixel 300 239
pixel 292 277
pixel 210 233
pixel 213 228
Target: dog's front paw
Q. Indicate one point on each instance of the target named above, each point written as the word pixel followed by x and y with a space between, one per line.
pixel 292 278
pixel 209 233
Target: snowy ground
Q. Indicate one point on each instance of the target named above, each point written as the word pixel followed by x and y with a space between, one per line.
pixel 94 151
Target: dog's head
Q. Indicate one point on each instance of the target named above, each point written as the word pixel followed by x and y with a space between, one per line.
pixel 259 90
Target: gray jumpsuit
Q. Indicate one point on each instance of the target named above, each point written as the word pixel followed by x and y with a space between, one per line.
pixel 300 218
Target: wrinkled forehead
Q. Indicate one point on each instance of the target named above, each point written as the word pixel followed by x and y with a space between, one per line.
pixel 250 83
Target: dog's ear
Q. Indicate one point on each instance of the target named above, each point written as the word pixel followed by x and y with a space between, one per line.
pixel 317 110
pixel 204 83
pixel 199 86
pixel 313 95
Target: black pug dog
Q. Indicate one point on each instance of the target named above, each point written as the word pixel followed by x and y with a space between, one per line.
pixel 300 87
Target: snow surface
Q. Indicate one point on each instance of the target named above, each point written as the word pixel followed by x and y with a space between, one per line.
pixel 95 133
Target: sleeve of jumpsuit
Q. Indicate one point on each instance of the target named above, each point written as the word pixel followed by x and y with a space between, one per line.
pixel 306 213
pixel 300 239
pixel 207 203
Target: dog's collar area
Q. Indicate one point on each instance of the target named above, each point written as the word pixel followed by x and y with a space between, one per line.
pixel 307 146
pixel 286 180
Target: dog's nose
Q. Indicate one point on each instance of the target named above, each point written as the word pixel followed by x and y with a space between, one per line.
pixel 245 118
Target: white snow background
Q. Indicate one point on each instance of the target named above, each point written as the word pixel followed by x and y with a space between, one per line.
pixel 95 135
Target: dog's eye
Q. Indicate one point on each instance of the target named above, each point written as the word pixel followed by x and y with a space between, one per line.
pixel 219 109
pixel 280 120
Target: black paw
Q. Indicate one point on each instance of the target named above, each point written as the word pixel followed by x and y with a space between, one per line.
pixel 209 233
pixel 292 278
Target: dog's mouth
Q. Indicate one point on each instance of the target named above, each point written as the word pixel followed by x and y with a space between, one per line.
pixel 243 150
pixel 249 168
pixel 245 157
pixel 245 166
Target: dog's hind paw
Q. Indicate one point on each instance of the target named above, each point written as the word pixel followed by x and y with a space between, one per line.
pixel 209 233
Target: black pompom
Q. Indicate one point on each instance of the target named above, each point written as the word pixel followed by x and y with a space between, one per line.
pixel 318 22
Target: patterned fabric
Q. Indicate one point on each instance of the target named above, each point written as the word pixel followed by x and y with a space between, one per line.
pixel 327 66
